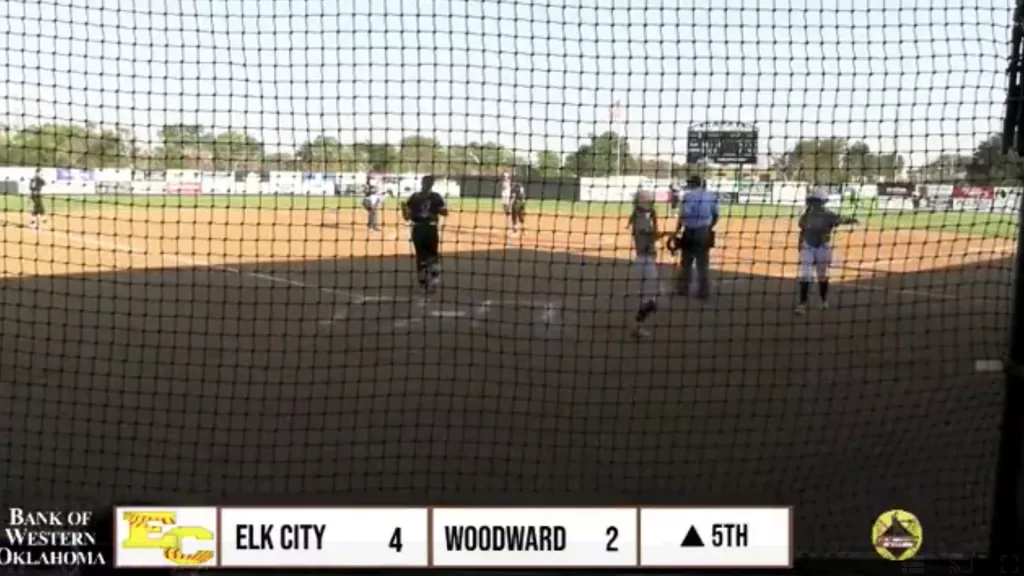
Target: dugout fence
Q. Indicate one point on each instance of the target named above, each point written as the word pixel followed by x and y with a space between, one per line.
pixel 159 347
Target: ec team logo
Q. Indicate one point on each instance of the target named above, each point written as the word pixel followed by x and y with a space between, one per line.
pixel 897 535
pixel 165 537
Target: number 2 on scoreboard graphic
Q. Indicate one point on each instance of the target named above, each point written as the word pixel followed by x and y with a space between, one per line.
pixel 396 540
pixel 613 534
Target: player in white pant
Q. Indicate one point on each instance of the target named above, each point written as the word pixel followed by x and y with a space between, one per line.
pixel 816 226
pixel 643 222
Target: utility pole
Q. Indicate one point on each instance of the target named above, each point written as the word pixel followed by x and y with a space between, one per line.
pixel 617 113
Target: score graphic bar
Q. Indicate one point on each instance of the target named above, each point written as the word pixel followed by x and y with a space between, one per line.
pixel 716 537
pixel 396 537
pixel 534 537
pixel 323 537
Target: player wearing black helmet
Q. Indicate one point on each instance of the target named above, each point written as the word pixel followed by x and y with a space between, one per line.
pixel 423 210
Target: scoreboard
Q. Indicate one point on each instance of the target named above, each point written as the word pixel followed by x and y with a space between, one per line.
pixel 191 538
pixel 722 143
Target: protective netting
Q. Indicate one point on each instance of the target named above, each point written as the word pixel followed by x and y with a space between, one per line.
pixel 203 315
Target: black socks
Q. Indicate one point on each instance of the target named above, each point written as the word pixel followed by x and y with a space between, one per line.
pixel 805 290
pixel 646 309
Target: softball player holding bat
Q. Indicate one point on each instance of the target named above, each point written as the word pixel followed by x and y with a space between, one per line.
pixel 643 222
pixel 816 227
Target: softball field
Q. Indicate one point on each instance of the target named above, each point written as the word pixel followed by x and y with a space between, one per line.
pixel 218 355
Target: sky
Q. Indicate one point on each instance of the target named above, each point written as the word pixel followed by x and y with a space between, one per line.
pixel 919 77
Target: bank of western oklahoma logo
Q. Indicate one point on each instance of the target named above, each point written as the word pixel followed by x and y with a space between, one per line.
pixel 897 535
pixel 158 530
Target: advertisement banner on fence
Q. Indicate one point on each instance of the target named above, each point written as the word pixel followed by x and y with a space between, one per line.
pixel 114 188
pixel 939 204
pixel 611 189
pixel 895 190
pixel 895 203
pixel 936 190
pixel 72 174
pixel 1007 200
pixel 974 192
pixel 973 204
pixel 148 188
pixel 66 188
pixel 184 188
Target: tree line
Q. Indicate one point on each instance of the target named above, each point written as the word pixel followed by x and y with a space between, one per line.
pixel 841 161
pixel 816 160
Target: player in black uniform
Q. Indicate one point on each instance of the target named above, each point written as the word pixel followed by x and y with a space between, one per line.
pixel 424 210
pixel 35 191
pixel 517 207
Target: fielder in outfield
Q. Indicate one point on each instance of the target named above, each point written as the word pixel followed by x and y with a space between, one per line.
pixel 816 227
pixel 643 222
pixel 423 210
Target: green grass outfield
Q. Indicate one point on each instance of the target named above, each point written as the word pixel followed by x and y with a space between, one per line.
pixel 975 223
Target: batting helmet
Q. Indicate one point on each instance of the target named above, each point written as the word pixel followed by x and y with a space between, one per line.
pixel 819 195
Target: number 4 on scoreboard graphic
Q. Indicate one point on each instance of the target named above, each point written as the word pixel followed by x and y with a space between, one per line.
pixel 396 540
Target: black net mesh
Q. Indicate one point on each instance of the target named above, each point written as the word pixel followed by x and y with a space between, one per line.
pixel 203 314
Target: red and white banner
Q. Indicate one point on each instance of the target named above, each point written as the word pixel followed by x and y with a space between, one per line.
pixel 974 192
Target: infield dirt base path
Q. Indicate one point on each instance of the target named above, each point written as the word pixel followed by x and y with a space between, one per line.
pixel 151 237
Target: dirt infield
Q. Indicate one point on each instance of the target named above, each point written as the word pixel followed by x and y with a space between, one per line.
pixel 282 355
pixel 149 237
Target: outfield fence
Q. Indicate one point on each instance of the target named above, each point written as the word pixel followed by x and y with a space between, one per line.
pixel 615 190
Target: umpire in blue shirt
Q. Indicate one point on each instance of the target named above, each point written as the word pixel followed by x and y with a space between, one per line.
pixel 698 215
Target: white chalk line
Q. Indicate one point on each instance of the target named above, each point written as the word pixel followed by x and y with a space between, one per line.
pixel 198 262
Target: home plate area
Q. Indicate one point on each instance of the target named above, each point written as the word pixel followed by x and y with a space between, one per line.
pixel 454 310
pixel 547 316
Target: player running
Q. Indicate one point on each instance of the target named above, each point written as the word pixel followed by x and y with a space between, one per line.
pixel 423 210
pixel 816 226
pixel 38 210
pixel 643 222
